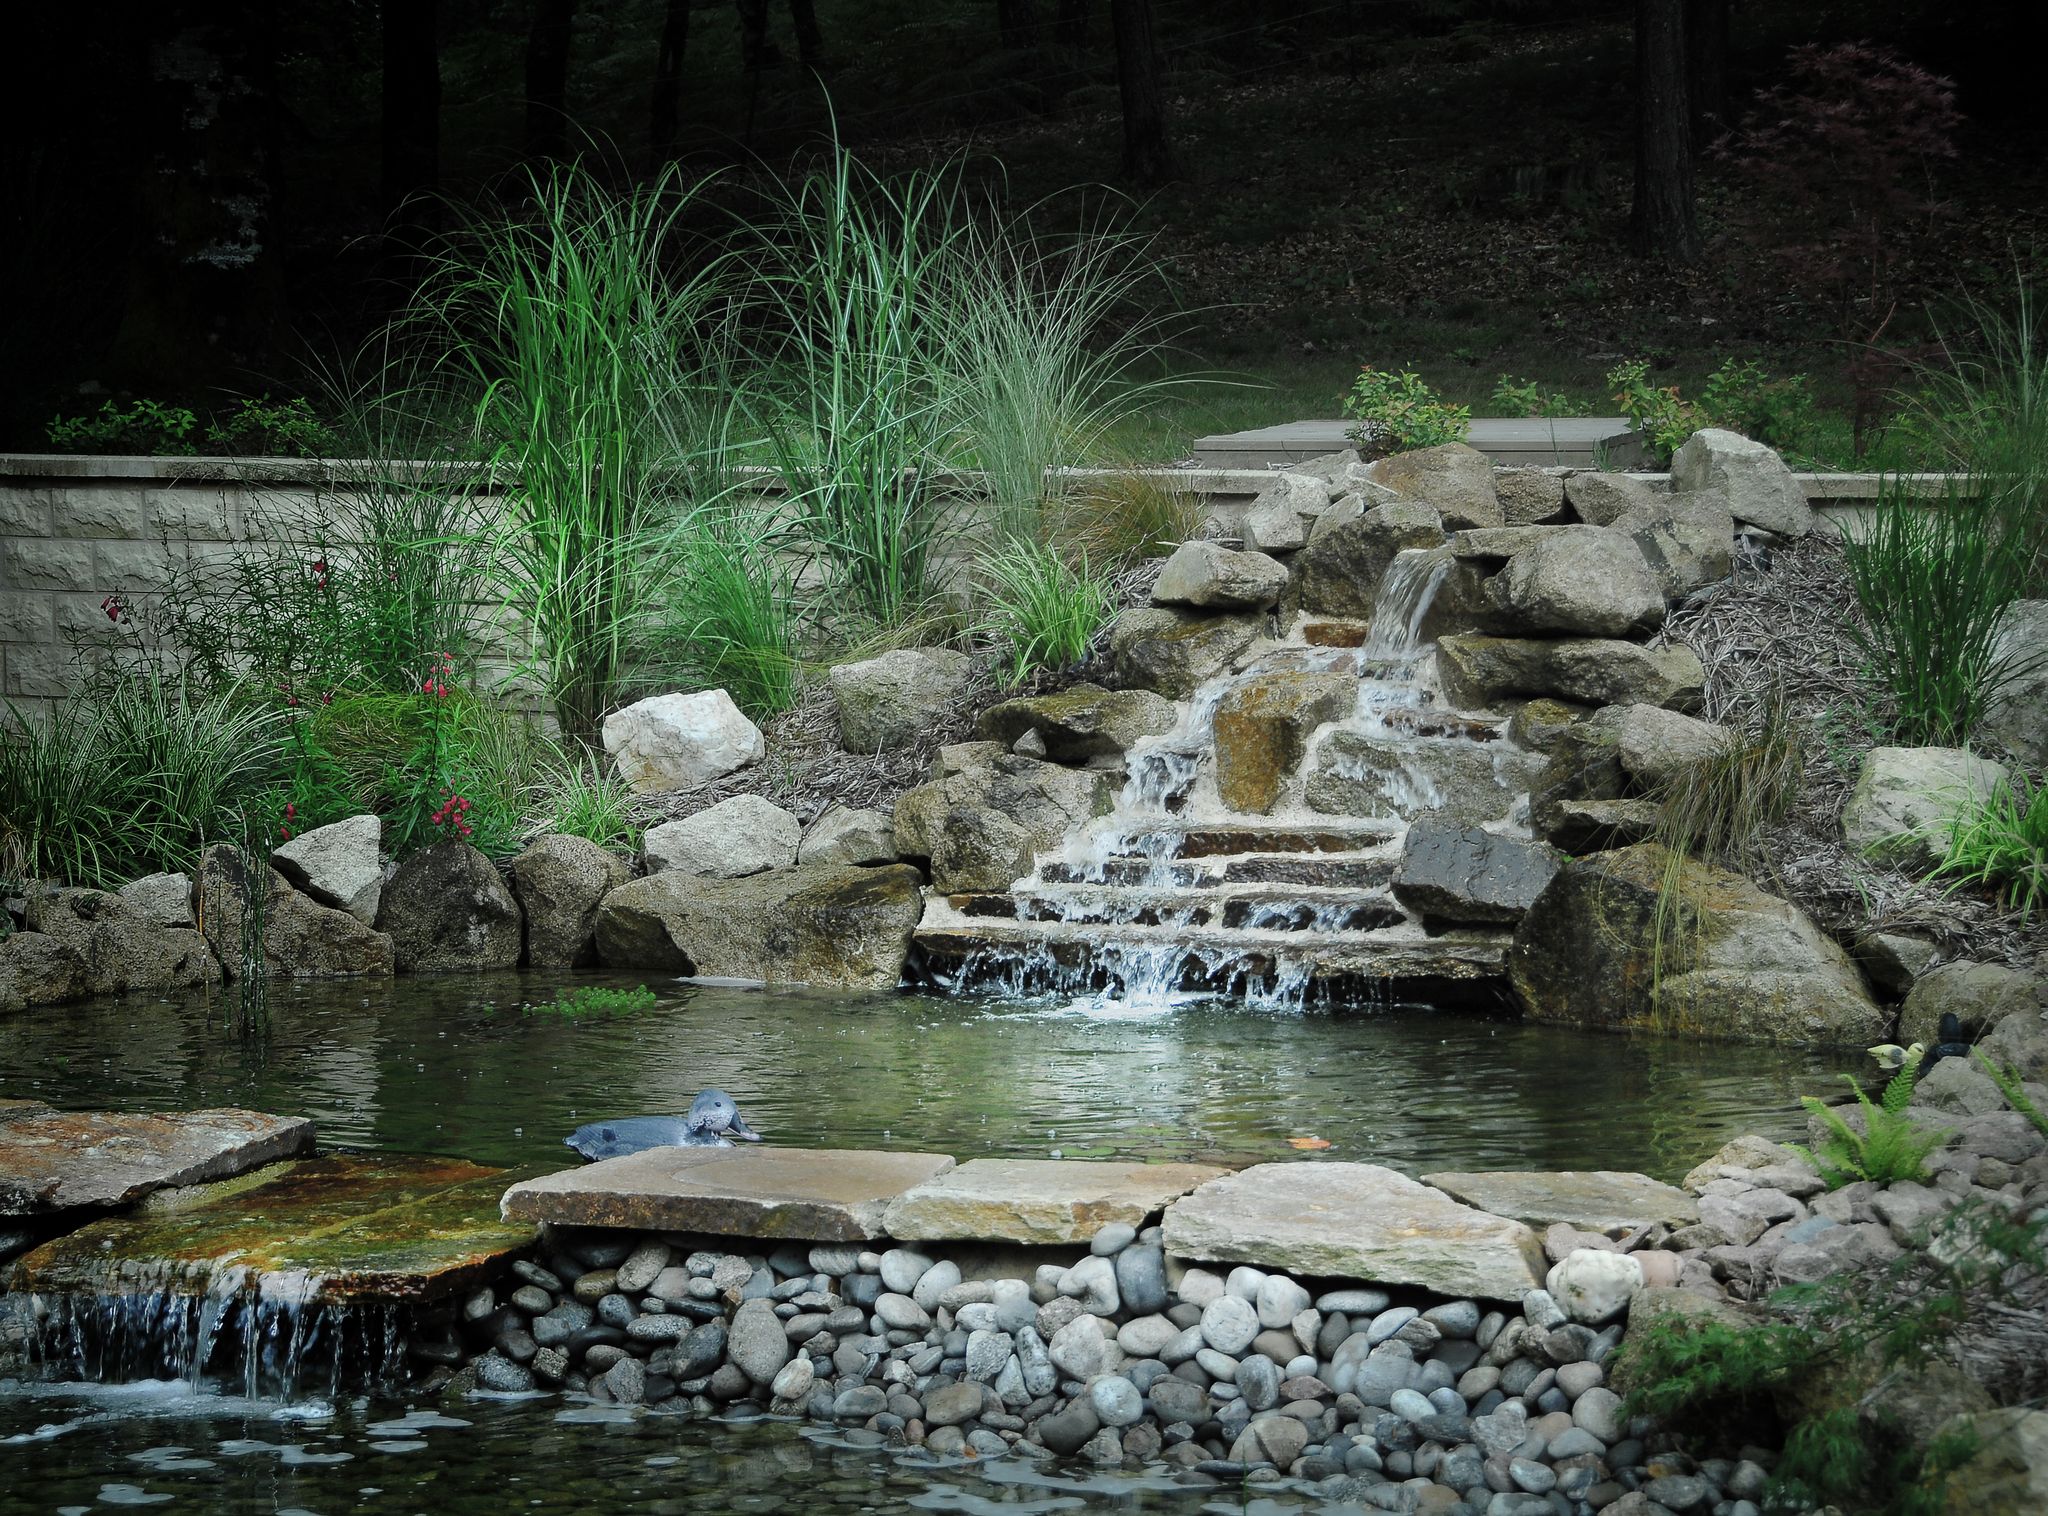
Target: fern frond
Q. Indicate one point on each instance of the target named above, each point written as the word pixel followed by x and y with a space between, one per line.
pixel 2007 1078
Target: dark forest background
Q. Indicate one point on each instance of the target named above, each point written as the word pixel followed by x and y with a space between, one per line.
pixel 205 197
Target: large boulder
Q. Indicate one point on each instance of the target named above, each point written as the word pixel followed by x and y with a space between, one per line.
pixel 1599 498
pixel 1455 480
pixel 1733 961
pixel 979 849
pixel 849 834
pixel 159 900
pixel 678 741
pixel 1477 670
pixel 1980 995
pixel 1464 875
pixel 1588 582
pixel 448 912
pixel 1277 521
pixel 736 837
pixel 1262 727
pixel 1528 495
pixel 813 924
pixel 1048 800
pixel 2017 715
pixel 1349 554
pixel 1657 747
pixel 893 700
pixel 1173 652
pixel 2007 1473
pixel 1907 801
pixel 120 950
pixel 1081 723
pixel 1459 782
pixel 1759 489
pixel 302 939
pixel 1688 541
pixel 1211 577
pixel 37 970
pixel 337 865
pixel 2020 1041
pixel 559 881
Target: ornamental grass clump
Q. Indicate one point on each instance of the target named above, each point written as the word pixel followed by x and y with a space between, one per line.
pixel 2002 846
pixel 1044 611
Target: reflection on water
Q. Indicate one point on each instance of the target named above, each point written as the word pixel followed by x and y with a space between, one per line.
pixel 455 1066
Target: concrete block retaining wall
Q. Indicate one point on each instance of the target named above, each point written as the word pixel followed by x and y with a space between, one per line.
pixel 75 529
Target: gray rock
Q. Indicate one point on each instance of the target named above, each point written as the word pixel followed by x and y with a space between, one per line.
pixel 1066 1431
pixel 494 1372
pixel 1272 1438
pixel 1275 522
pixel 1478 670
pixel 1173 652
pixel 849 835
pixel 1982 996
pixel 1347 557
pixel 978 849
pixel 447 911
pixel 1583 581
pixel 1082 722
pixel 301 938
pixel 678 741
pixel 1759 489
pixel 1258 1380
pixel 37 969
pixel 1528 495
pixel 893 700
pixel 2017 713
pixel 160 900
pixel 1907 800
pixel 742 835
pixel 1688 541
pixel 951 1404
pixel 1598 1411
pixel 1599 499
pixel 756 1342
pixel 794 1381
pixel 1209 577
pixel 627 1381
pixel 1141 1278
pixel 1229 1325
pixel 1456 480
pixel 559 881
pixel 1112 1239
pixel 1117 1401
pixel 337 865
pixel 1468 874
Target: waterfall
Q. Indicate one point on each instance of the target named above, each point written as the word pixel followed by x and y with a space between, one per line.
pixel 1403 603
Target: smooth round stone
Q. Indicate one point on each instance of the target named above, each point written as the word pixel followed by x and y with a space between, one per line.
pixel 1599 1411
pixel 1175 1399
pixel 1387 1323
pixel 987 1443
pixel 1542 1311
pixel 1183 1347
pixel 1229 1323
pixel 859 1402
pixel 600 1356
pixel 937 1279
pixel 1066 1430
pixel 627 1380
pixel 616 1310
pixel 1147 1336
pixel 643 1265
pixel 1279 1300
pixel 987 1353
pixel 861 1290
pixel 1220 1367
pixel 1277 1440
pixel 794 1380
pixel 662 1328
pixel 1678 1492
pixel 1352 1302
pixel 1573 1442
pixel 1244 1282
pixel 1200 1286
pixel 1117 1401
pixel 901 1269
pixel 1014 1312
pixel 1553 1399
pixel 1457 1318
pixel 978 1316
pixel 1258 1380
pixel 902 1313
pixel 1092 1281
pixel 1593 1286
pixel 757 1342
pixel 1301 1366
pixel 1111 1240
pixel 1409 1405
pixel 1079 1348
pixel 1476 1381
pixel 503 1375
pixel 1536 1478
pixel 533 1300
pixel 835 1259
pixel 1141 1278
pixel 951 1404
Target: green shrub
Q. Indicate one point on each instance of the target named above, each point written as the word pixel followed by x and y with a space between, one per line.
pixel 1043 611
pixel 1398 411
pixel 259 427
pixel 2011 1085
pixel 1738 396
pixel 587 799
pixel 1129 514
pixel 1890 1148
pixel 1525 397
pixel 2003 845
pixel 729 622
pixel 1934 579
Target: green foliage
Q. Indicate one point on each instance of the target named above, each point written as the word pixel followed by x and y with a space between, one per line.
pixel 1891 1147
pixel 1680 1364
pixel 596 1000
pixel 1043 610
pixel 1129 514
pixel 2011 1086
pixel 1738 396
pixel 1526 397
pixel 1934 579
pixel 132 776
pixel 1397 411
pixel 729 621
pixel 2003 845
pixel 587 799
pixel 259 427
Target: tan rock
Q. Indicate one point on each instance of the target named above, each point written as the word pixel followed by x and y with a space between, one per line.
pixel 1262 729
pixel 1601 1200
pixel 1039 1200
pixel 60 1160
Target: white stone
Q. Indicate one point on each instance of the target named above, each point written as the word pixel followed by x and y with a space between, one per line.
pixel 1244 1283
pixel 795 1380
pixel 1593 1286
pixel 1092 1281
pixel 678 742
pixel 1759 489
pixel 1280 1300
pixel 1199 1286
pixel 901 1312
pixel 938 1279
pixel 730 840
pixel 901 1269
pixel 163 900
pixel 336 865
pixel 1079 1349
pixel 1146 1337
pixel 1907 800
pixel 1229 1324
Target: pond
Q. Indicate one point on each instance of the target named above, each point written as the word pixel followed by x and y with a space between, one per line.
pixel 459 1066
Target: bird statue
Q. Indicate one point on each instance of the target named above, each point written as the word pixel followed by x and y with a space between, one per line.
pixel 1891 1057
pixel 713 1121
pixel 1953 1043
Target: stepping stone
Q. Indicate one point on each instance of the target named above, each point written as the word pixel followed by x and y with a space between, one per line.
pixel 1355 1221
pixel 1603 1200
pixel 348 1227
pixel 1039 1200
pixel 54 1161
pixel 801 1194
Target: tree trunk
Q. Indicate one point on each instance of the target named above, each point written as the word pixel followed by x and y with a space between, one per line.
pixel 1706 69
pixel 668 81
pixel 754 54
pixel 1070 26
pixel 1017 23
pixel 1147 159
pixel 810 42
pixel 547 79
pixel 1662 224
pixel 411 113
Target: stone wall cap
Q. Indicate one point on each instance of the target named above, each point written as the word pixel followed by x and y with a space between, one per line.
pixel 1040 1200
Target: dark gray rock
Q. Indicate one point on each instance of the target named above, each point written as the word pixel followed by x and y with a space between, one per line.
pixel 1470 875
pixel 447 912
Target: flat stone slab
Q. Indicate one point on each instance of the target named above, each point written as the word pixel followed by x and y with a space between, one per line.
pixel 1039 1200
pixel 63 1160
pixel 1355 1221
pixel 800 1194
pixel 354 1226
pixel 1600 1200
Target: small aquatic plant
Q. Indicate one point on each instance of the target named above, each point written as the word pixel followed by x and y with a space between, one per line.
pixel 596 1000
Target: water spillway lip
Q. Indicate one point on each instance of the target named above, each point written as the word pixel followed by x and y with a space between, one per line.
pixel 345 1226
pixel 1231 838
pixel 57 1161
pixel 794 1194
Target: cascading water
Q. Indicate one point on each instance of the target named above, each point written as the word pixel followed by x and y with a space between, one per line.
pixel 1174 895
